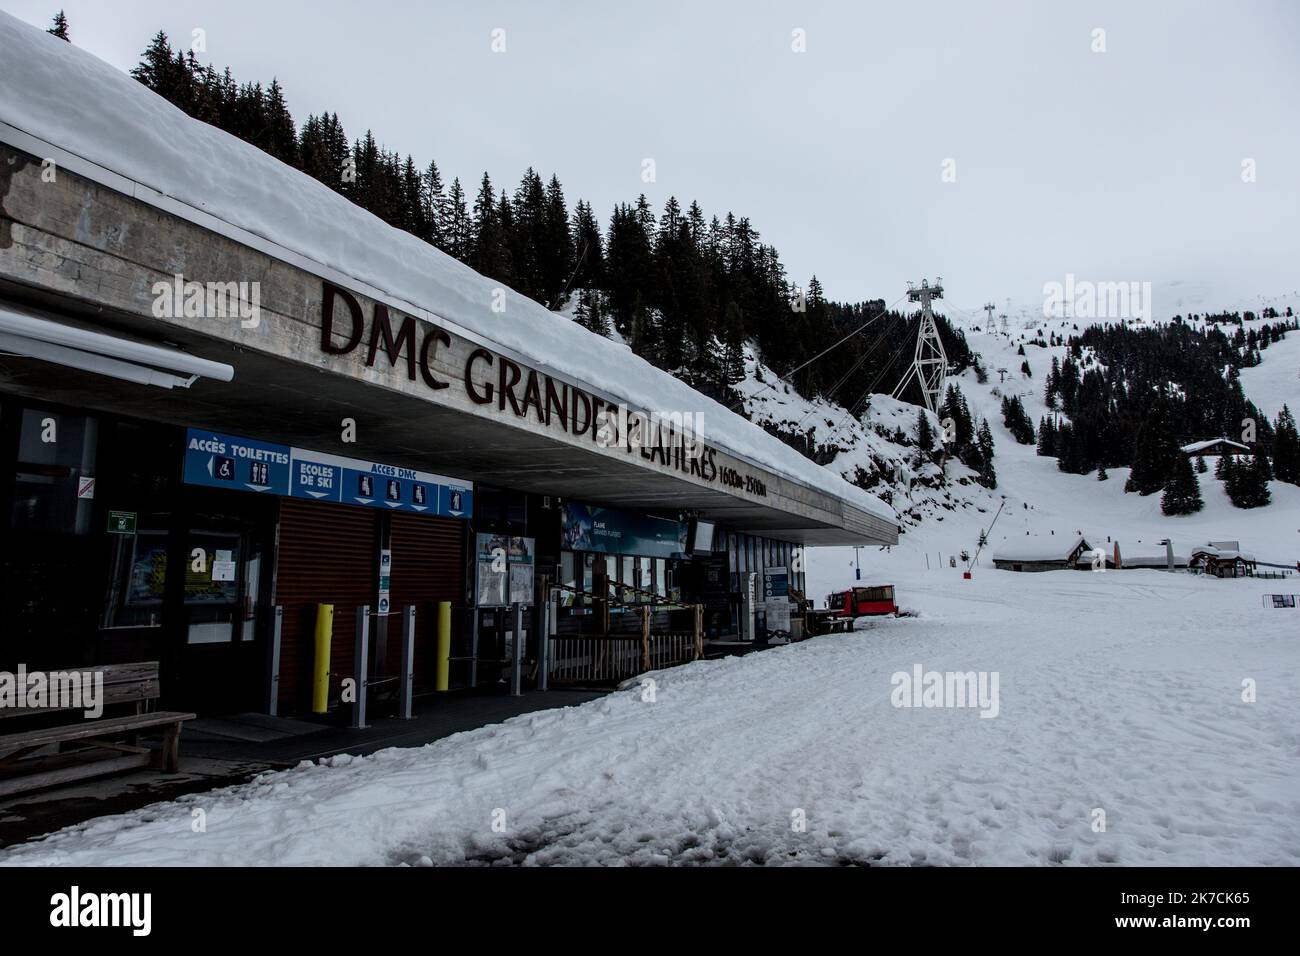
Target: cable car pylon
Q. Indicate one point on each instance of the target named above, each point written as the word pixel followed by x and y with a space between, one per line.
pixel 929 362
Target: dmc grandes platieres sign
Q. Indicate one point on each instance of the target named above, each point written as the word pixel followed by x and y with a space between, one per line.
pixel 490 379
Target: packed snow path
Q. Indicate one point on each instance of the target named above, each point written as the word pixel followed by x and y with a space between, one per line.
pixel 1119 691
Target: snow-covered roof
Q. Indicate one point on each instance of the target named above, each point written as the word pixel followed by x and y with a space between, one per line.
pixel 68 98
pixel 1196 446
pixel 1039 548
pixel 1223 554
pixel 1150 559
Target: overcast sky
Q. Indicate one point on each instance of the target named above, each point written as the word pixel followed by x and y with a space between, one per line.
pixel 1114 165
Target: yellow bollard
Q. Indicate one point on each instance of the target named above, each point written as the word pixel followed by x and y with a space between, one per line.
pixel 320 683
pixel 442 674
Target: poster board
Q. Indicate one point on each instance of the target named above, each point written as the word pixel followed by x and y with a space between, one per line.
pixel 503 570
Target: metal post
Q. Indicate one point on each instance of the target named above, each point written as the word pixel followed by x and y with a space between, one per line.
pixel 544 642
pixel 359 666
pixel 517 650
pixel 473 651
pixel 406 692
pixel 273 678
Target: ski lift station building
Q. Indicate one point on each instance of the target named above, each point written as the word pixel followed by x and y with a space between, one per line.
pixel 228 395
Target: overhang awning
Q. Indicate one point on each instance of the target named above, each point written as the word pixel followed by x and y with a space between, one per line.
pixel 26 332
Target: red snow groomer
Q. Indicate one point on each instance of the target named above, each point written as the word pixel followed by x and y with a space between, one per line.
pixel 864 602
pixel 843 606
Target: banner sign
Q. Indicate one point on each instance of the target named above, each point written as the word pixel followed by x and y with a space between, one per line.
pixel 245 464
pixel 610 531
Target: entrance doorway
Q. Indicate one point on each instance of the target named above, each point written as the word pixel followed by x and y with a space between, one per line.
pixel 219 604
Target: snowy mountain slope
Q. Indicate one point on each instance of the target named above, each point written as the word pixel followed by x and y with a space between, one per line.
pixel 1039 498
pixel 1167 299
pixel 1276 381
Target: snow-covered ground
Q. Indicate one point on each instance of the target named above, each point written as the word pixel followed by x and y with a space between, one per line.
pixel 1119 691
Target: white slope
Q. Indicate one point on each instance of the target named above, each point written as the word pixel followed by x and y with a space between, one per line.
pixel 1276 380
pixel 1119 692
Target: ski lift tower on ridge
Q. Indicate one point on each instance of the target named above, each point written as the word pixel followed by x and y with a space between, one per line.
pixel 930 362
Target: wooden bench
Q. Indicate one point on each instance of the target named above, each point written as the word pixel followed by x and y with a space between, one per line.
pixel 109 741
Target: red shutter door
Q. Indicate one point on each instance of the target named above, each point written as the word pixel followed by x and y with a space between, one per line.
pixel 428 566
pixel 326 554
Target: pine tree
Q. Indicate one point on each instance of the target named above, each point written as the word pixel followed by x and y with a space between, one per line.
pixel 733 346
pixel 457 229
pixel 924 433
pixel 588 248
pixel 433 203
pixel 1182 494
pixel 1046 437
pixel 1156 450
pixel 281 141
pixel 984 443
pixel 155 69
pixel 60 27
pixel 1017 420
pixel 1024 368
pixel 556 252
pixel 1201 467
pixel 1286 448
pixel 489 250
pixel 1101 473
pixel 1247 483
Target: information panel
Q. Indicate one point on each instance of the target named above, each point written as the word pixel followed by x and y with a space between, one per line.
pixel 244 464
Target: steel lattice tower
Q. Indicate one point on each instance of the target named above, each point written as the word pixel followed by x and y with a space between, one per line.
pixel 930 362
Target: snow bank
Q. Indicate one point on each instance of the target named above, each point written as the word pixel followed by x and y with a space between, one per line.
pixel 61 94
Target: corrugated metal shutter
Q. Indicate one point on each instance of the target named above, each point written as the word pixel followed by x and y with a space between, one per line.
pixel 428 566
pixel 326 554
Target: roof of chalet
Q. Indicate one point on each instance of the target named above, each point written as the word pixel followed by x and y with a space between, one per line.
pixel 1039 548
pixel 1223 554
pixel 1196 446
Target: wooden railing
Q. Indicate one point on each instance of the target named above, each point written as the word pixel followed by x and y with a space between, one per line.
pixel 578 659
pixel 600 658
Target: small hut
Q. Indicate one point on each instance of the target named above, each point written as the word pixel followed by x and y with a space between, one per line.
pixel 1222 562
pixel 1037 553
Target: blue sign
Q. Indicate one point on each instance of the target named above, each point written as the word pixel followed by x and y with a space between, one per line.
pixel 611 531
pixel 225 461
pixel 316 479
pixel 241 464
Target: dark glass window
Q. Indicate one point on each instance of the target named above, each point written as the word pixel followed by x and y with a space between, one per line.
pixel 55 451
